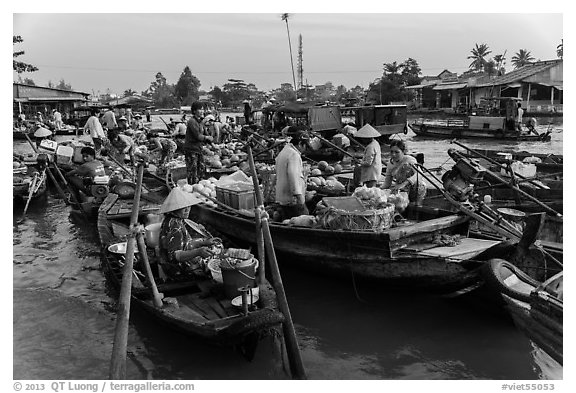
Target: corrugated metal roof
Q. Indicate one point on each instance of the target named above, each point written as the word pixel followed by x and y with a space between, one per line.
pixel 521 73
pixel 450 86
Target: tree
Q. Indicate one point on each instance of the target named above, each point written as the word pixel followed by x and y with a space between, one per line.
pixel 500 61
pixel 490 68
pixel 162 93
pixel 478 55
pixel 20 66
pixel 236 91
pixel 26 81
pixel 411 72
pixel 62 85
pixel 129 93
pixel 186 89
pixel 560 50
pixel 521 58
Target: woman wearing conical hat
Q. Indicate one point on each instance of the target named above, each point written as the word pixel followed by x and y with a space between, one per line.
pixel 181 244
pixel 371 164
pixel 42 133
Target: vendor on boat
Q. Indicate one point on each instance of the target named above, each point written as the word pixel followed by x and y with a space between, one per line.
pixel 196 138
pixel 118 145
pixel 371 164
pixel 42 133
pixel 94 128
pixel 290 181
pixel 401 176
pixel 88 170
pixel 165 146
pixel 181 243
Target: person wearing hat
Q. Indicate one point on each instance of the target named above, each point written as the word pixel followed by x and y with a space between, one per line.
pixel 196 138
pixel 400 174
pixel 290 181
pixel 123 123
pixel 137 123
pixel 89 169
pixel 42 133
pixel 94 128
pixel 371 164
pixel 180 245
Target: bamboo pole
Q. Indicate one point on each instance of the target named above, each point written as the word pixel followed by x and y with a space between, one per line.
pixel 118 361
pixel 32 186
pixel 156 296
pixel 294 357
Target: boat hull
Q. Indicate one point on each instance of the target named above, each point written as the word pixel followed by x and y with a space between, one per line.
pixel 461 132
pixel 367 255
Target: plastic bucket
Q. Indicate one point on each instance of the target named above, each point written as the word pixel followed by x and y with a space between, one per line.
pixel 234 277
pixel 152 235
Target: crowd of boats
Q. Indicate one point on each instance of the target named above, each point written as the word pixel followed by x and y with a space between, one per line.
pixel 490 227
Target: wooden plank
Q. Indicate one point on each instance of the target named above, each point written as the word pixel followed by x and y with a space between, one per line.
pixel 427 226
pixel 217 307
pixel 466 249
pixel 195 302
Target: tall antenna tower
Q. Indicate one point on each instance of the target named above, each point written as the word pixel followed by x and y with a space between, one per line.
pixel 299 65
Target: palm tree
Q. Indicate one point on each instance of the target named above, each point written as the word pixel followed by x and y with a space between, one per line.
pixel 478 55
pixel 560 49
pixel 285 17
pixel 500 61
pixel 521 58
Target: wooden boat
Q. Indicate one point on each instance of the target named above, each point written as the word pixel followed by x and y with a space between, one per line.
pixel 485 127
pixel 196 306
pixel 386 119
pixel 545 164
pixel 28 180
pixel 536 307
pixel 496 123
pixel 404 256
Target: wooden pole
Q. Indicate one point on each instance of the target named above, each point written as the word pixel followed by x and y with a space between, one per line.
pixel 156 296
pixel 260 245
pixel 294 357
pixel 333 145
pixel 32 186
pixel 118 362
pixel 50 174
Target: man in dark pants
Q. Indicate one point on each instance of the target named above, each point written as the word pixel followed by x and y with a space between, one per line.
pixel 195 139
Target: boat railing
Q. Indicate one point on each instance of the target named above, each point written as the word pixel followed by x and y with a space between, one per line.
pixel 449 122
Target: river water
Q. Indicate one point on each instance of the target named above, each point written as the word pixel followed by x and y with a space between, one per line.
pixel 64 315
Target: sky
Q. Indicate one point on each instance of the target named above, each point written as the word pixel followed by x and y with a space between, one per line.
pixel 113 52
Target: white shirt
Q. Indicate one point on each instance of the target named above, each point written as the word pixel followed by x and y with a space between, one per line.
pixel 520 113
pixel 109 119
pixel 94 127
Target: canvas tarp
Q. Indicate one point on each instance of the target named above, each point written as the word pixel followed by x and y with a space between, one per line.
pixel 325 118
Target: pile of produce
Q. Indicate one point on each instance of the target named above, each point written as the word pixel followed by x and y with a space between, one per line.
pixel 325 169
pixel 223 155
pixel 202 190
pixel 328 185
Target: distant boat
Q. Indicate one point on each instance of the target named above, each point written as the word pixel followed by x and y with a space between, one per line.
pixel 497 123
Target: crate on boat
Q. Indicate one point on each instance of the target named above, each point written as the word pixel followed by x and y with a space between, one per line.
pixel 64 154
pixel 237 195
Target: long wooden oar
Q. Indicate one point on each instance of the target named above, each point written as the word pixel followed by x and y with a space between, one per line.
pixel 50 174
pixel 156 296
pixel 334 146
pixel 32 186
pixel 294 357
pixel 118 362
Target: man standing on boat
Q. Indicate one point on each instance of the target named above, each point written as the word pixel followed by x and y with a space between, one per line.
pixel 57 119
pixel 195 139
pixel 520 112
pixel 290 181
pixel 94 128
pixel 109 119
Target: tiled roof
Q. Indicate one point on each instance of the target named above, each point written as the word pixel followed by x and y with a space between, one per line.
pixel 522 73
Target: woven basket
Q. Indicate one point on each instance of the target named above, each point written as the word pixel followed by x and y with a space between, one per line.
pixel 370 220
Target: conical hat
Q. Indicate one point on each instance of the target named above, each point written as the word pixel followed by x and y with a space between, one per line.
pixel 367 132
pixel 178 199
pixel 42 132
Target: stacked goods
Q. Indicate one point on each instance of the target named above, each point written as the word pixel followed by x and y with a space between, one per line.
pixel 329 185
pixel 376 220
pixel 224 155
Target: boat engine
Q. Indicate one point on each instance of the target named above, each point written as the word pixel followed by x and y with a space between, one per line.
pixel 98 187
pixel 456 185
